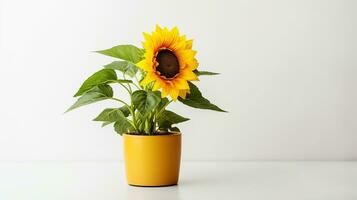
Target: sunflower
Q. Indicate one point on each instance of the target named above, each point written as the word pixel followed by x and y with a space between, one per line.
pixel 169 62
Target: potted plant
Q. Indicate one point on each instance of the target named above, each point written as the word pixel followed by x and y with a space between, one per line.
pixel 155 76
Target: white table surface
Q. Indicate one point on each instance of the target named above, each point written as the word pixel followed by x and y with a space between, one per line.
pixel 198 180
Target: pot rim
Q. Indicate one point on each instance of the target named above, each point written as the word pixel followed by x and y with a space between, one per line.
pixel 156 135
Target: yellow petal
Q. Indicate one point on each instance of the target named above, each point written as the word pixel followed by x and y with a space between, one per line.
pixel 158 84
pixel 147 36
pixel 177 45
pixel 183 93
pixel 189 44
pixel 157 40
pixel 175 35
pixel 188 75
pixel 165 91
pixel 189 53
pixel 174 93
pixel 150 77
pixel 181 84
pixel 158 28
pixel 165 37
pixel 145 64
pixel 192 65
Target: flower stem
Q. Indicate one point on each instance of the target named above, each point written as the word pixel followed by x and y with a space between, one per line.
pixel 121 101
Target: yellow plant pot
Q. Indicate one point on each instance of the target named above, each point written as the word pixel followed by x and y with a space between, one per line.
pixel 152 160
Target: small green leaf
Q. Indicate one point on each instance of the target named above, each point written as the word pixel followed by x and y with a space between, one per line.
pixel 162 130
pixel 98 78
pixel 202 73
pixel 125 52
pixel 124 66
pixel 196 100
pixel 175 129
pixel 167 118
pixel 98 93
pixel 123 126
pixel 145 101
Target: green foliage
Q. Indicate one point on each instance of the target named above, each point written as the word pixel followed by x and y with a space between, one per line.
pixel 110 115
pixel 146 113
pixel 98 93
pixel 125 52
pixel 175 129
pixel 123 126
pixel 167 118
pixel 106 123
pixel 98 78
pixel 125 67
pixel 104 76
pixel 202 73
pixel 196 100
pixel 145 101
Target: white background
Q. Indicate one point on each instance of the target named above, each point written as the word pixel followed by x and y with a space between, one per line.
pixel 288 76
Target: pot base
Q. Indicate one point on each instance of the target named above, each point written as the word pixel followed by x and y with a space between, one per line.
pixel 153 185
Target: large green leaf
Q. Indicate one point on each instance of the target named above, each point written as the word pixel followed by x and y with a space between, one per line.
pixel 167 118
pixel 125 52
pixel 98 78
pixel 123 126
pixel 125 110
pixel 202 73
pixel 98 93
pixel 145 101
pixel 111 115
pixel 106 123
pixel 196 100
pixel 126 67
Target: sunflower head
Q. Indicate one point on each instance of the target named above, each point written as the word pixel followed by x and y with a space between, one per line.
pixel 169 62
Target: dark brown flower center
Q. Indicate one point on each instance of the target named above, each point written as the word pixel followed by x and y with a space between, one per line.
pixel 168 63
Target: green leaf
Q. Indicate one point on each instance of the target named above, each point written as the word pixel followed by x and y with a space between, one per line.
pixel 140 121
pixel 98 93
pixel 167 118
pixel 123 126
pixel 163 103
pixel 162 130
pixel 196 100
pixel 145 101
pixel 106 123
pixel 120 81
pixel 125 110
pixel 98 78
pixel 125 52
pixel 124 66
pixel 108 115
pixel 168 130
pixel 202 73
pixel 175 129
pixel 112 114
